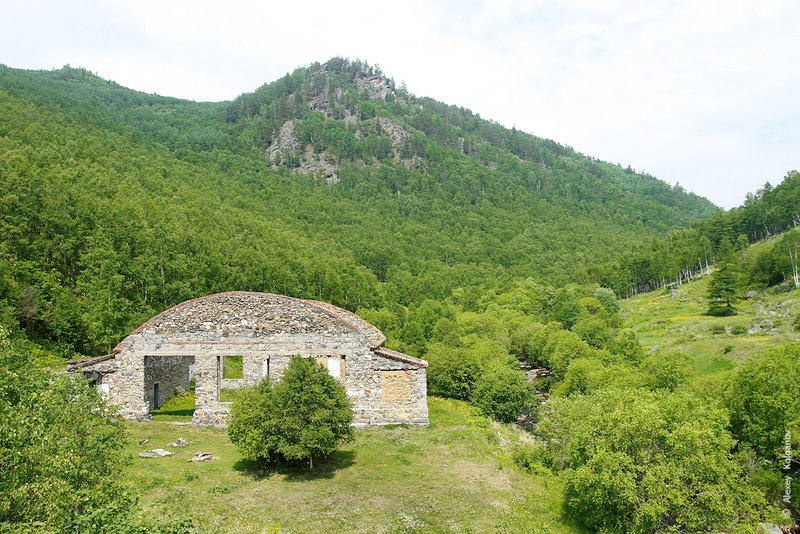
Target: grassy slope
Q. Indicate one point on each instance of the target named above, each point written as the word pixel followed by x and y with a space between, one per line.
pixel 453 476
pixel 679 322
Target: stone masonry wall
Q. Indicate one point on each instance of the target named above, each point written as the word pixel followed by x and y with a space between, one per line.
pixel 169 372
pixel 266 330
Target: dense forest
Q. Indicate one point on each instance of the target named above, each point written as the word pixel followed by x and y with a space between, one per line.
pixel 472 245
pixel 116 204
pixel 687 253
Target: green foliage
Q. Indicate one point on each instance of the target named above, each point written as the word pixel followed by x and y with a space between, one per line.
pixel 563 347
pixel 636 462
pixel 593 331
pixel 452 373
pixel 461 203
pixel 626 345
pixel 312 409
pixel 504 394
pixel 667 369
pixel 306 414
pixel 584 375
pixel 60 454
pixel 608 298
pixel 725 285
pixel 685 254
pixel 60 445
pixel 529 457
pixel 250 422
pixel 764 401
pixel 567 307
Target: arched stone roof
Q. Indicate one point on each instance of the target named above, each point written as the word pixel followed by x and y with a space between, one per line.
pixel 252 313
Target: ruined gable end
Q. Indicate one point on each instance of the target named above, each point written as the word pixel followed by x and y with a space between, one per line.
pixel 224 342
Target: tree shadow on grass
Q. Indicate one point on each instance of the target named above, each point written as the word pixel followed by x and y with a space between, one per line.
pixel 297 471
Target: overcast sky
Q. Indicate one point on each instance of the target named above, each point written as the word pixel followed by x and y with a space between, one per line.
pixel 704 93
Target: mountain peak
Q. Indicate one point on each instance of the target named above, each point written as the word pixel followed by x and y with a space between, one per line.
pixel 318 117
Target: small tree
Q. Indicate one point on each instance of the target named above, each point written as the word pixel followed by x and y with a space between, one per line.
pixel 503 394
pixel 250 421
pixel 608 298
pixel 724 287
pixel 306 414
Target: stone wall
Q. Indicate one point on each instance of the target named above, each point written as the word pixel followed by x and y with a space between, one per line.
pixel 266 331
pixel 383 396
pixel 170 373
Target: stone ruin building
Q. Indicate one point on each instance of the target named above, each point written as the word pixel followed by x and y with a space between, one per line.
pixel 228 341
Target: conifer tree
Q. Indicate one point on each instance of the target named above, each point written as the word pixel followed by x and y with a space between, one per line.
pixel 725 285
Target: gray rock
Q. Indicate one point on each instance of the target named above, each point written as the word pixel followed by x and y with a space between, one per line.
pixel 202 457
pixel 180 442
pixel 161 452
pixel 148 454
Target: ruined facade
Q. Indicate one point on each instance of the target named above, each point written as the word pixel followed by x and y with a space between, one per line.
pixel 232 340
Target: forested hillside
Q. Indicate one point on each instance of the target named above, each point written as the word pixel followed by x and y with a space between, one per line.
pixel 684 254
pixel 329 183
pixel 474 246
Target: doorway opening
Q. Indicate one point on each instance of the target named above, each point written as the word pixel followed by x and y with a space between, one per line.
pixel 170 387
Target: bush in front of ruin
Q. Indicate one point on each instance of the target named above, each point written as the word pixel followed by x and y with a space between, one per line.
pixel 305 415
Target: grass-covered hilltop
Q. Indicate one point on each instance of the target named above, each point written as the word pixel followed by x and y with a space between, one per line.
pixel 662 331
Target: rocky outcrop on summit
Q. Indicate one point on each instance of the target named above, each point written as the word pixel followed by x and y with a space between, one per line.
pixel 352 105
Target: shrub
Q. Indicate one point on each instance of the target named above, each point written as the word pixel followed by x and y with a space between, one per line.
pixel 306 414
pixel 59 444
pixel 452 372
pixel 543 384
pixel 60 454
pixel 567 307
pixel 626 345
pixel 667 370
pixel 636 461
pixel 530 458
pixel 592 330
pixel 251 416
pixel 765 404
pixel 608 298
pixel 563 347
pixel 522 340
pixel 582 376
pixel 503 394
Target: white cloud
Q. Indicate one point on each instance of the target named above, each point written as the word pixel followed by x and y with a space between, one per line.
pixel 702 92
